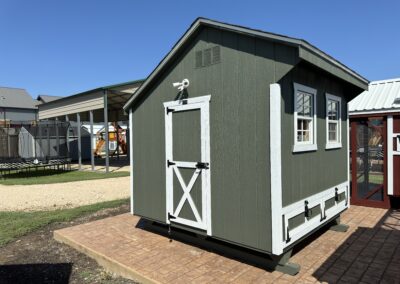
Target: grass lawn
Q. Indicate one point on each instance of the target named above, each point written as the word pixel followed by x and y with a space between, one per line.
pixel 53 176
pixel 16 224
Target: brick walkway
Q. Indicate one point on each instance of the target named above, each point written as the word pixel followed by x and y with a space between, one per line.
pixel 368 253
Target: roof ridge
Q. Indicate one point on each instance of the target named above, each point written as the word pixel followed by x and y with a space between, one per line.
pixel 4 87
pixel 385 81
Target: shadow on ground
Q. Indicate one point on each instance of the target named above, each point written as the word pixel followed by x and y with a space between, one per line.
pixel 35 273
pixel 368 255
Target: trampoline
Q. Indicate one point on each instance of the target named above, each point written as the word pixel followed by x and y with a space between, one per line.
pixel 28 146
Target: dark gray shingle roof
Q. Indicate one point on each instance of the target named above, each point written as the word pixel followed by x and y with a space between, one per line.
pixel 46 98
pixel 16 98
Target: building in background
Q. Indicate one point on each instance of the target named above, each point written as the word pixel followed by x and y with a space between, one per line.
pixel 16 105
pixel 375 145
pixel 42 99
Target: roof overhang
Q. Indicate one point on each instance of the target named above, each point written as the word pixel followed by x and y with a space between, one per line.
pixel 115 96
pixel 307 52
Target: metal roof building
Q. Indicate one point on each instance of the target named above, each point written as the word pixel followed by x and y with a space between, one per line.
pixel 375 145
pixel 99 105
pixel 381 96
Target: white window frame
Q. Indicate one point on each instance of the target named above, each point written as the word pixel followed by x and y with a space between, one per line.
pixel 312 145
pixel 336 144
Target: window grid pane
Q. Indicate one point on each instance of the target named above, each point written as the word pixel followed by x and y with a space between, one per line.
pixel 333 107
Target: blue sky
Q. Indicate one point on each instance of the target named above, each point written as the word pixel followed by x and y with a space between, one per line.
pixel 67 46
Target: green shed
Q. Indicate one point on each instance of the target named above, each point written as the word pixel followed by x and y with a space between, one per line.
pixel 241 135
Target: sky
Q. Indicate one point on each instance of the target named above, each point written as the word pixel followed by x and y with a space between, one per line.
pixel 63 47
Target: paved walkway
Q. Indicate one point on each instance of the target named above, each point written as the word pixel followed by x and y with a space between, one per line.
pixel 368 253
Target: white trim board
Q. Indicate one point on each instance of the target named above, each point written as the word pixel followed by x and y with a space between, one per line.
pixel 276 167
pixel 390 155
pixel 131 156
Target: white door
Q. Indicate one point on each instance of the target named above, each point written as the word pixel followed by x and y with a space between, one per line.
pixel 187 140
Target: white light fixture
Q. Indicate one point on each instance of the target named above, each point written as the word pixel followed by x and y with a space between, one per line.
pixel 181 85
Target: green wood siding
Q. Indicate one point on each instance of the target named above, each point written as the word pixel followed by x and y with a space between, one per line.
pixel 307 173
pixel 239 133
pixel 239 119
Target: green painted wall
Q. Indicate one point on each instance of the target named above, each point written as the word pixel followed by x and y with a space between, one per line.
pixel 308 173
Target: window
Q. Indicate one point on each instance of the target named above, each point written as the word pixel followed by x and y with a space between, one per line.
pixel 305 130
pixel 333 122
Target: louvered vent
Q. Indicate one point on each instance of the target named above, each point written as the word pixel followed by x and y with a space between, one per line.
pixel 207 57
pixel 216 51
pixel 199 59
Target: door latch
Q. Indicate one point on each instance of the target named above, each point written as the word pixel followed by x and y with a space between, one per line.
pixel 169 163
pixel 306 210
pixel 201 165
pixel 336 195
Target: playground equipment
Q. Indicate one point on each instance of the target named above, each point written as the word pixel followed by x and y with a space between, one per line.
pixel 117 141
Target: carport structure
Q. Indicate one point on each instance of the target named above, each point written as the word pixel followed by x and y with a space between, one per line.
pixel 100 105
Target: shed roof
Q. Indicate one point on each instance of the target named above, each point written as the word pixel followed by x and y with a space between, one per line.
pixel 307 52
pixel 16 98
pixel 381 96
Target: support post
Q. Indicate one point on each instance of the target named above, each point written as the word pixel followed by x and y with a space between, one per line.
pixel 78 121
pixel 117 137
pixel 48 139
pixel 40 140
pixel 67 137
pixel 91 140
pixel 107 146
pixel 57 138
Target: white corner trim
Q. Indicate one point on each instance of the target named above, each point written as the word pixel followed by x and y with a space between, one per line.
pixel 348 153
pixel 276 168
pixel 131 156
pixel 336 144
pixel 304 147
pixel 298 146
pixel 390 155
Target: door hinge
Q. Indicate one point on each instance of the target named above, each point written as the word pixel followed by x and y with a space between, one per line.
pixel 169 163
pixel 201 165
pixel 170 216
pixel 288 239
pixel 336 195
pixel 170 110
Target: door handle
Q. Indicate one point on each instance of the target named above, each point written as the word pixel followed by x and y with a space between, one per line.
pixel 201 165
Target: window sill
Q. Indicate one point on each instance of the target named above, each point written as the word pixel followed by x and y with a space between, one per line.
pixel 333 146
pixel 304 148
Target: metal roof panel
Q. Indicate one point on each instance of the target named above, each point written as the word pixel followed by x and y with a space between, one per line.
pixel 379 96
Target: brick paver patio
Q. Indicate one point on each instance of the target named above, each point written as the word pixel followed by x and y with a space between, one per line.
pixel 368 253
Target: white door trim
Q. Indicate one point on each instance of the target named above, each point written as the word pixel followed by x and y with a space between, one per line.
pixel 204 221
pixel 389 136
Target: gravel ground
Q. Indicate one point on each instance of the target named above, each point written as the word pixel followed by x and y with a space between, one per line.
pixel 38 258
pixel 62 195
